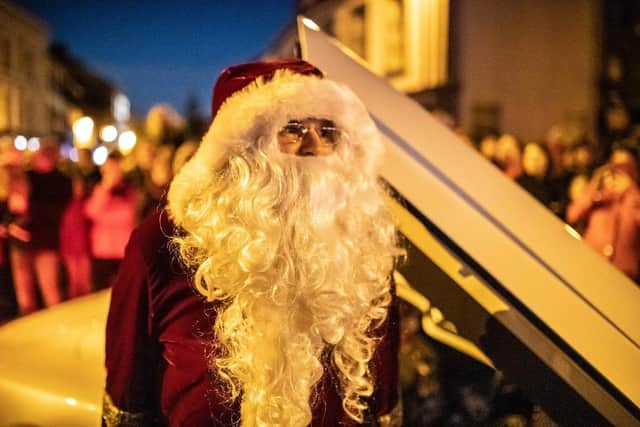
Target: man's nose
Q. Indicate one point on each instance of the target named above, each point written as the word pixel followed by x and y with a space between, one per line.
pixel 310 143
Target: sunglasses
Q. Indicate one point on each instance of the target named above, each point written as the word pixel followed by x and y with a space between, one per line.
pixel 296 130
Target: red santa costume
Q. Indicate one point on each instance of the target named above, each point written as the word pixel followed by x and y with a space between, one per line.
pixel 262 295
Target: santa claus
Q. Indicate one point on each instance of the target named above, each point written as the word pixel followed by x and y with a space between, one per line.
pixel 279 223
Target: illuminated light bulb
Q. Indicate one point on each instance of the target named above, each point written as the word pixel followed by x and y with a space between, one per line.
pixel 109 133
pixel 100 155
pixel 127 141
pixel 310 24
pixel 33 144
pixel 20 142
pixel 64 151
pixel 83 131
pixel 73 154
pixel 121 108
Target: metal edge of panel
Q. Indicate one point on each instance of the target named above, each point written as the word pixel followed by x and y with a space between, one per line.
pixel 606 370
pixel 513 318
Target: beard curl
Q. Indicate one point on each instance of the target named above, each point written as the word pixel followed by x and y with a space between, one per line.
pixel 299 251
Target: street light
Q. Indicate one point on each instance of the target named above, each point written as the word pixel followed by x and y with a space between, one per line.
pixel 33 144
pixel 100 155
pixel 20 143
pixel 83 132
pixel 127 141
pixel 109 133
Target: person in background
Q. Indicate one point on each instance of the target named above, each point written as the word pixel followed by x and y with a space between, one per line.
pixel 8 303
pixel 143 155
pixel 112 210
pixel 49 192
pixel 535 165
pixel 559 178
pixel 581 160
pixel 85 169
pixel 157 182
pixel 508 156
pixel 610 210
pixel 74 239
pixel 183 153
pixel 13 223
pixel 487 147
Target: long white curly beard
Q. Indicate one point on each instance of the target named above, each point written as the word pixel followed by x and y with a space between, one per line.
pixel 301 250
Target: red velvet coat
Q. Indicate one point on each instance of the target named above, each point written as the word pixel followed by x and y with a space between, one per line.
pixel 158 332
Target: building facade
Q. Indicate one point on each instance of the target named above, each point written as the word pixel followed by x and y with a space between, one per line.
pixel 524 66
pixel 517 67
pixel 43 87
pixel 24 72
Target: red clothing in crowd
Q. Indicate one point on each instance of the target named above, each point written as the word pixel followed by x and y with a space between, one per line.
pixel 113 213
pixel 612 227
pixel 159 332
pixel 75 248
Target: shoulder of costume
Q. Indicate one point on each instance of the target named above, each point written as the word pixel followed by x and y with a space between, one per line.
pixel 152 237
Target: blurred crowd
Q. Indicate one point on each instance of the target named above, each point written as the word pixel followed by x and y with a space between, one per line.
pixel 592 187
pixel 64 224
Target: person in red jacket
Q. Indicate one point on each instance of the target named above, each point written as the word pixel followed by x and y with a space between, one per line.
pixel 112 211
pixel 262 295
pixel 610 211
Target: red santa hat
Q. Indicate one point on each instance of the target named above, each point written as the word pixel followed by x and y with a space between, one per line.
pixel 252 102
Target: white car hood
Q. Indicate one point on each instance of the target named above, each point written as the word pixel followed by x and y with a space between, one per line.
pixel 52 364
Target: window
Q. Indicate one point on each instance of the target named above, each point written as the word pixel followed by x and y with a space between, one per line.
pixel 15 105
pixel 394 40
pixel 4 106
pixel 406 41
pixel 27 62
pixel 5 52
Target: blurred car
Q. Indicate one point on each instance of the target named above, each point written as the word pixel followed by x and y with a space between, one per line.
pixel 52 365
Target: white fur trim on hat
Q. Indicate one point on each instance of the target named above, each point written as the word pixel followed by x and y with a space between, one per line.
pixel 260 110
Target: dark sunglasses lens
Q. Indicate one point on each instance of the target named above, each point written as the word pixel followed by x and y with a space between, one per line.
pixel 330 134
pixel 294 130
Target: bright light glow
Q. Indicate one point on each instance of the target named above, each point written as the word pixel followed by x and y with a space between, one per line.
pixel 33 144
pixel 100 155
pixel 70 401
pixel 121 108
pixel 127 141
pixel 572 232
pixel 65 149
pixel 109 133
pixel 83 132
pixel 310 24
pixel 73 154
pixel 20 143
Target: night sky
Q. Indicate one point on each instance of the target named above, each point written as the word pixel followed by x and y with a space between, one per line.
pixel 163 51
